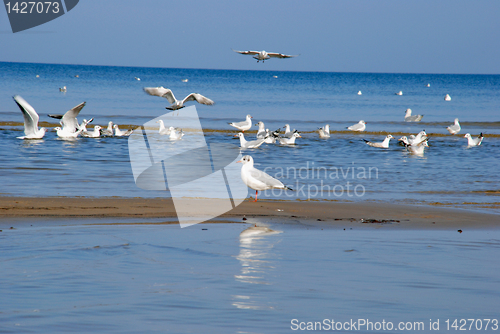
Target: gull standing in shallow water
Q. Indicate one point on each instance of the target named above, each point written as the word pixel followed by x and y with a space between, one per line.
pixel 176 104
pixel 109 130
pixel 256 179
pixel 474 141
pixel 249 144
pixel 360 126
pixel 120 133
pixel 410 118
pixel 261 133
pixel 93 134
pixel 243 125
pixel 69 121
pixel 324 132
pixel 65 134
pixel 383 144
pixel 175 135
pixel 163 130
pixel 455 128
pixel 30 120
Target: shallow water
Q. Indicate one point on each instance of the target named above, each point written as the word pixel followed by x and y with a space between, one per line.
pixel 449 173
pixel 76 276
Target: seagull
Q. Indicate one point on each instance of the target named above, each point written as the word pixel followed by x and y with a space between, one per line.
pixel 68 120
pixel 324 132
pixel 167 93
pixel 291 140
pixel 410 118
pixel 244 125
pixel 359 93
pixel 455 128
pixel 162 130
pixel 109 130
pixel 249 144
pixel 360 126
pixel 138 79
pixel 413 140
pixel 84 124
pixel 65 134
pixel 261 133
pixel 256 179
pixel 30 120
pixel 447 97
pixel 474 141
pixel 417 148
pixel 63 89
pixel 175 135
pixel 399 93
pixel 383 144
pixel 270 137
pixel 288 132
pixel 120 133
pixel 263 55
pixel 428 85
pixel 94 134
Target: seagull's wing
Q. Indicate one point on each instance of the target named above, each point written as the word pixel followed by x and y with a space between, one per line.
pixel 30 116
pixel 355 127
pixel 56 116
pixel 280 55
pixel 161 92
pixel 69 121
pixel 198 98
pixel 265 178
pixel 247 52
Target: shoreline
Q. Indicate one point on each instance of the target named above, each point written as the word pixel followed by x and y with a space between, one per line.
pixel 326 214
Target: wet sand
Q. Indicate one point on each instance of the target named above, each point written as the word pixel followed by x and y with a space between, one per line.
pixel 328 214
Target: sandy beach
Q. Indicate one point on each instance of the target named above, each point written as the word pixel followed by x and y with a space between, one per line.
pixel 325 213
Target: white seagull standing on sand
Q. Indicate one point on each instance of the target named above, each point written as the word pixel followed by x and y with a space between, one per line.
pixel 360 126
pixel 120 133
pixel 383 144
pixel 263 55
pixel 455 128
pixel 256 179
pixel 249 144
pixel 243 125
pixel 410 118
pixel 324 132
pixel 474 141
pixel 167 93
pixel 30 120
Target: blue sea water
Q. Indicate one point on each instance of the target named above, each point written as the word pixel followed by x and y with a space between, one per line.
pixel 449 173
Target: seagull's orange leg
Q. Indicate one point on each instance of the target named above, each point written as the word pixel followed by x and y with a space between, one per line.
pixel 256 195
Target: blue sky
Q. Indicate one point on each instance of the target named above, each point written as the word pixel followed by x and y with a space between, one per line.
pixel 405 36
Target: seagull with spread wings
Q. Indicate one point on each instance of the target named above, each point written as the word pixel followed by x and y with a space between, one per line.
pixel 176 104
pixel 263 55
pixel 31 118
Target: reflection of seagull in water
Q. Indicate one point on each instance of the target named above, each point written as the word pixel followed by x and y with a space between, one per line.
pixel 256 179
pixel 474 141
pixel 176 104
pixel 263 55
pixel 243 125
pixel 455 128
pixel 410 118
pixel 383 144
pixel 30 120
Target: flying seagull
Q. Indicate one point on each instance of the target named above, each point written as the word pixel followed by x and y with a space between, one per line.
pixel 167 93
pixel 263 55
pixel 30 120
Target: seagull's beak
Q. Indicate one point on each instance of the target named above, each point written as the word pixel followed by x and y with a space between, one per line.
pixel 300 136
pixel 235 136
pixel 239 161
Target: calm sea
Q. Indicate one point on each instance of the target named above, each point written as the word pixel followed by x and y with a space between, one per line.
pixel 341 168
